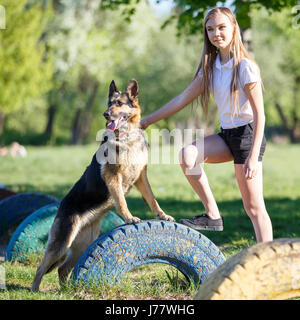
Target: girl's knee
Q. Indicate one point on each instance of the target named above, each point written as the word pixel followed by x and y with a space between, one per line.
pixel 255 210
pixel 188 156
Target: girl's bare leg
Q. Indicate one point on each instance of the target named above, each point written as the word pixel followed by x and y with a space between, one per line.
pixel 215 151
pixel 252 195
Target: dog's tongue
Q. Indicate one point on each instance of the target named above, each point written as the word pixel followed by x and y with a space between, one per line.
pixel 113 125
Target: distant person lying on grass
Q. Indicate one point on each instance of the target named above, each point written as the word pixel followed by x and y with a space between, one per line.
pixel 16 150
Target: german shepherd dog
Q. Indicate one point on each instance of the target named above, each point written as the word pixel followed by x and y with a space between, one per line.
pixel 103 185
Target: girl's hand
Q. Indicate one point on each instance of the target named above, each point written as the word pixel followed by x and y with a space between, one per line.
pixel 144 124
pixel 251 167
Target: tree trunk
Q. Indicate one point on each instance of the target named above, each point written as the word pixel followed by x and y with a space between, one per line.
pixel 76 127
pixel 2 118
pixel 293 130
pixel 244 19
pixel 83 118
pixel 282 117
pixel 49 127
pixel 246 35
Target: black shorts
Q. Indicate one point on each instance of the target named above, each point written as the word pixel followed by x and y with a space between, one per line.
pixel 239 140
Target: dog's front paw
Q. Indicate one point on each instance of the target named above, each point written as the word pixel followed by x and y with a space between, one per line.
pixel 133 220
pixel 169 218
pixel 166 217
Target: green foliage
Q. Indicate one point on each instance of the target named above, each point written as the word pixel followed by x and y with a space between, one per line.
pixel 24 71
pixel 190 13
pixel 162 64
pixel 276 45
pixel 81 46
pixel 117 50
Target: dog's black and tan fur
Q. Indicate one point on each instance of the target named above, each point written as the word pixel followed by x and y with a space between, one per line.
pixel 102 186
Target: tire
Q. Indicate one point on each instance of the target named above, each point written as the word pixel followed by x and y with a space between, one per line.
pixel 6 193
pixel 16 208
pixel 31 236
pixel 152 241
pixel 265 271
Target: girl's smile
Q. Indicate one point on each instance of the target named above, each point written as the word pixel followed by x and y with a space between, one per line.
pixel 220 32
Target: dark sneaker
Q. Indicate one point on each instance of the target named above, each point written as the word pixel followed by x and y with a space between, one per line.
pixel 203 222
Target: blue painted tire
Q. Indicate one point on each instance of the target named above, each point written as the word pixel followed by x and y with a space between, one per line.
pixel 31 236
pixel 16 208
pixel 6 193
pixel 130 245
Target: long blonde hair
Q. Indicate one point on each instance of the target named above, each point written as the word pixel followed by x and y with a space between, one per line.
pixel 209 55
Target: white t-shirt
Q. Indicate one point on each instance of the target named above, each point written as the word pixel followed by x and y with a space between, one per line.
pixel 221 91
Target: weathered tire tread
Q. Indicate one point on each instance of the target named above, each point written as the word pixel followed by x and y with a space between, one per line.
pixel 16 208
pixel 128 246
pixel 264 271
pixel 31 235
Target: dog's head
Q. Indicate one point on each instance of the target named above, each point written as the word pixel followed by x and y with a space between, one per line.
pixel 123 110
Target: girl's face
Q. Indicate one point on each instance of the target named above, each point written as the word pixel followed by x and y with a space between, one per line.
pixel 220 31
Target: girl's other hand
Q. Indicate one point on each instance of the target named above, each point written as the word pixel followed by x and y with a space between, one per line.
pixel 251 168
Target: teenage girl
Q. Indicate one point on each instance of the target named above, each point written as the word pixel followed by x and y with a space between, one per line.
pixel 233 77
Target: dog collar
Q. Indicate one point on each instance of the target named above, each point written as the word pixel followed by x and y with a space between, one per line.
pixel 122 134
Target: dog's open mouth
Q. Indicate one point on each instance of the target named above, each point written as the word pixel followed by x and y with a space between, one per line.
pixel 115 124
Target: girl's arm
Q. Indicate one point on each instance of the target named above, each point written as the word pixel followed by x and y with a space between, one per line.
pixel 176 104
pixel 254 94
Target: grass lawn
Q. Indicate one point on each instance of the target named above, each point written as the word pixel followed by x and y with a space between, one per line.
pixel 53 170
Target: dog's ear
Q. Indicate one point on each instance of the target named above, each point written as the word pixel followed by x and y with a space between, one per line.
pixel 112 89
pixel 132 89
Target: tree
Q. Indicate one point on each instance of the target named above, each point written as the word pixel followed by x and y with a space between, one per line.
pixel 25 73
pixel 278 46
pixel 65 37
pixel 163 64
pixel 84 52
pixel 190 13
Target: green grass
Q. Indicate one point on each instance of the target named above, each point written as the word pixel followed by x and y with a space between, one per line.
pixel 155 281
pixel 53 170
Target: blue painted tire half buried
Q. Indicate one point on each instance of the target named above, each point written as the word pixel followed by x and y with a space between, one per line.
pixel 16 208
pixel 31 236
pixel 6 193
pixel 152 241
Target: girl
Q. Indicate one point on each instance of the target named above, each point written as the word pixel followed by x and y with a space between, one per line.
pixel 234 79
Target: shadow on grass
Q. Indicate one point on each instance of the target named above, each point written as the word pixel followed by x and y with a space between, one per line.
pixel 57 191
pixel 15 287
pixel 238 229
